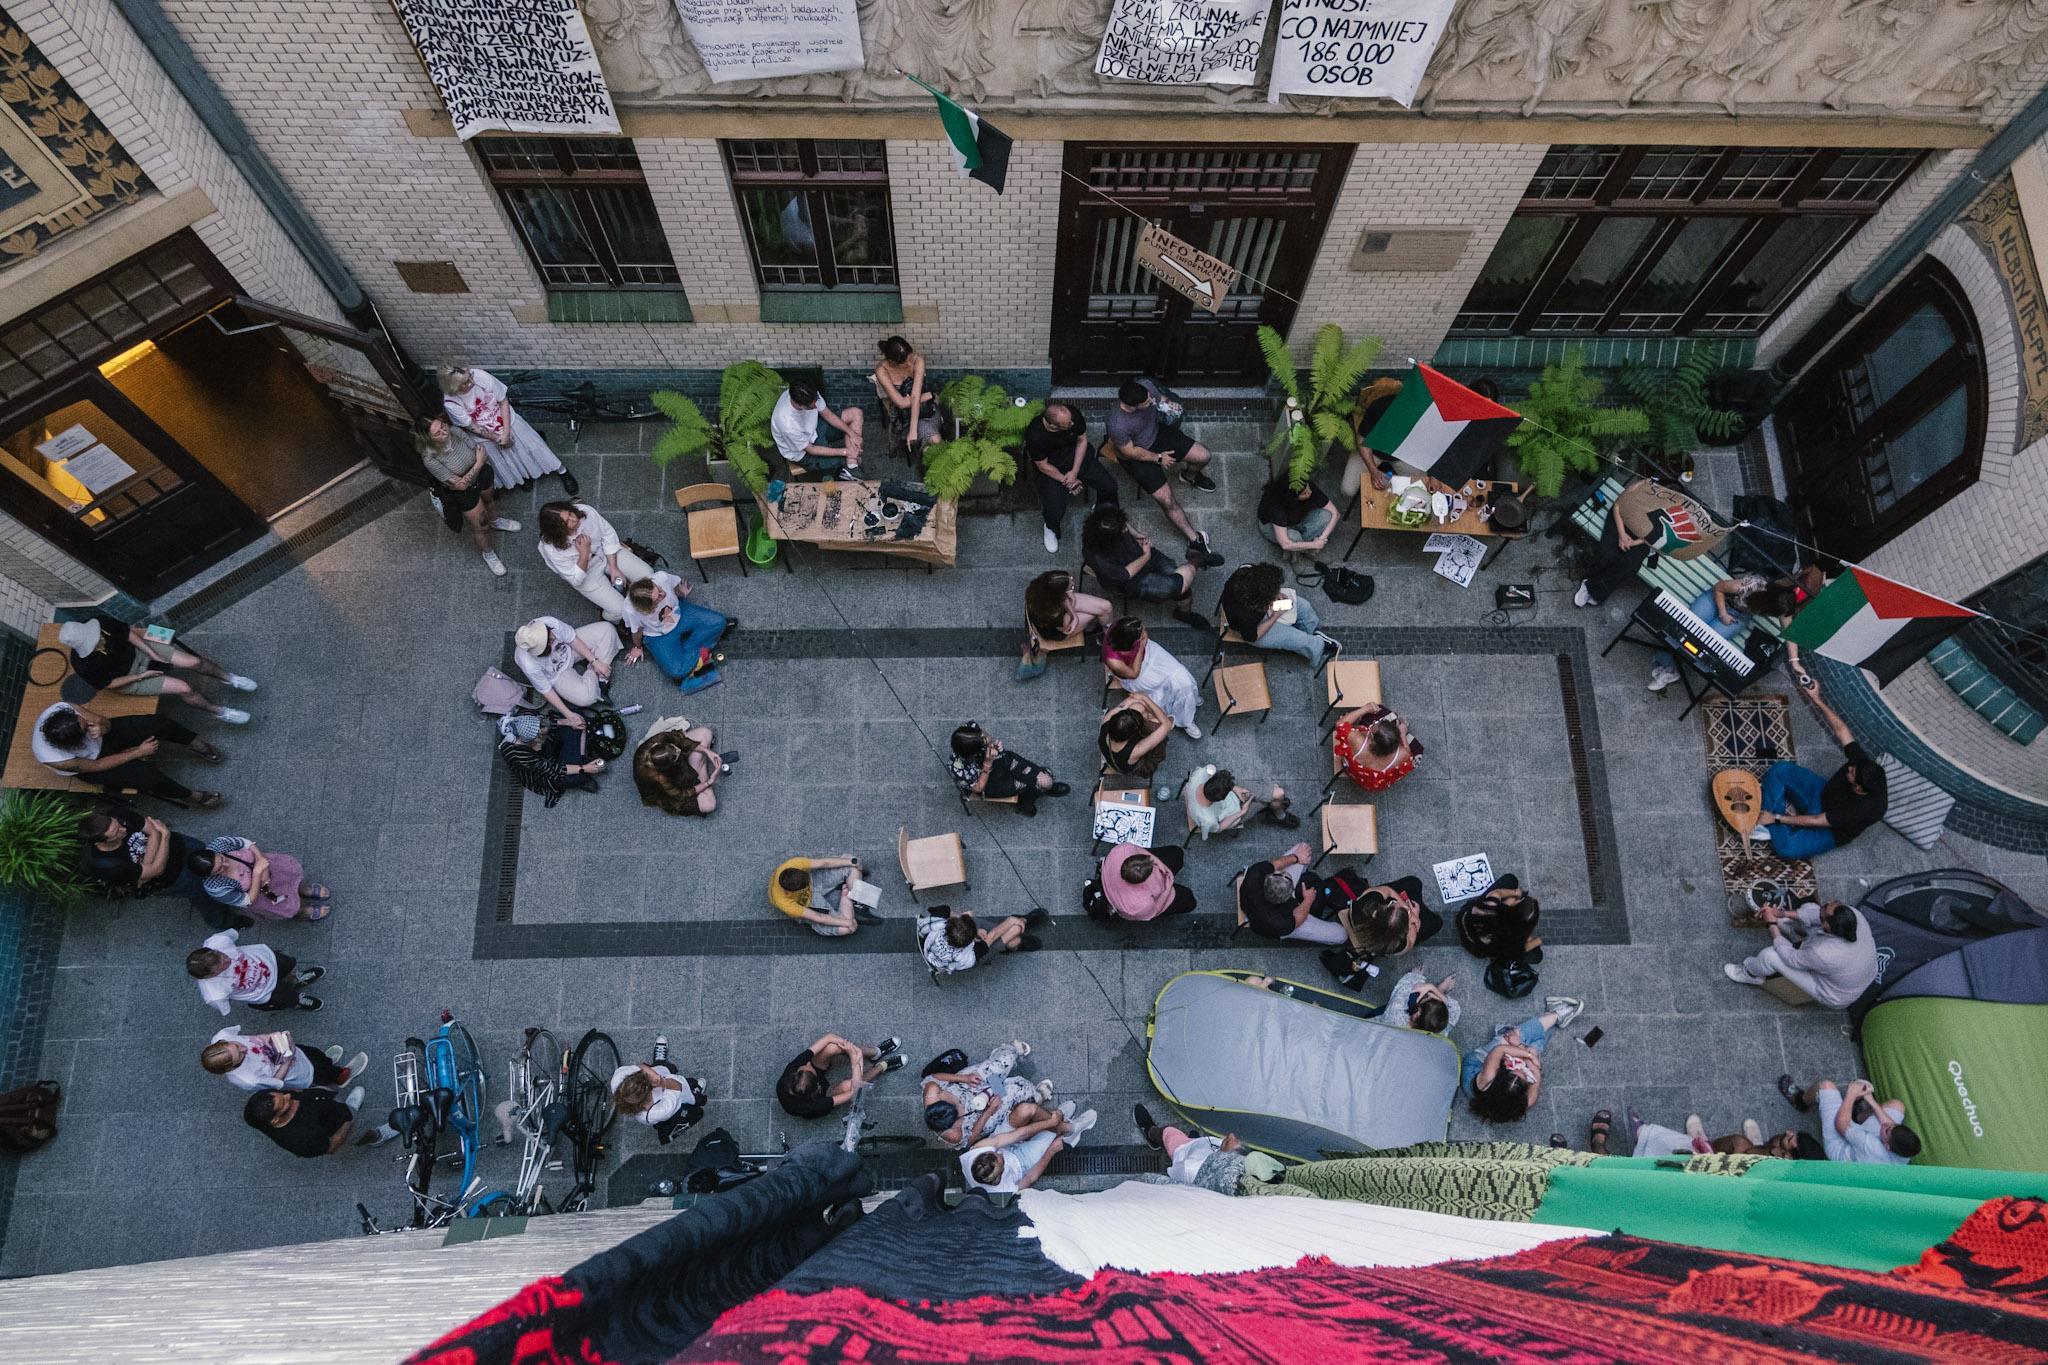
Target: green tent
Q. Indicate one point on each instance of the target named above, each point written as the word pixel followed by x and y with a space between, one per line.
pixel 1973 1075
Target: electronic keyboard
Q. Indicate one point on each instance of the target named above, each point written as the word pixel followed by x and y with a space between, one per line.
pixel 1718 658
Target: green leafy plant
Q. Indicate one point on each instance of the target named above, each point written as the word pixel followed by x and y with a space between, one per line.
pixel 1675 402
pixel 39 851
pixel 991 428
pixel 1563 427
pixel 1321 402
pixel 746 398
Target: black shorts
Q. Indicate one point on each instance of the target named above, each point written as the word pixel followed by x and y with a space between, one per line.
pixel 456 502
pixel 1170 441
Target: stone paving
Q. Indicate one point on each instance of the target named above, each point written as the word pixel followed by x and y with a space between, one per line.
pixel 368 760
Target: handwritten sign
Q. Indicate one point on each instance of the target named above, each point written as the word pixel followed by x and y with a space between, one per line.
pixel 1202 277
pixel 1183 42
pixel 513 66
pixel 1359 49
pixel 744 40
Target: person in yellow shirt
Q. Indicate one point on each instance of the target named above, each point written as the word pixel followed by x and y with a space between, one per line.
pixel 819 891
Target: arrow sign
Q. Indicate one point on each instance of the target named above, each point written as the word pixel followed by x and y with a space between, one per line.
pixel 1200 277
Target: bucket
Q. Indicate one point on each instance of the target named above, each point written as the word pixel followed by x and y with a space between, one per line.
pixel 761 547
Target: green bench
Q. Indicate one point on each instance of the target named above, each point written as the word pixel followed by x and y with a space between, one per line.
pixel 1683 579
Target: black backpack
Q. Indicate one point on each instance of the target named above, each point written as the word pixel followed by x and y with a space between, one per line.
pixel 1341 583
pixel 1094 902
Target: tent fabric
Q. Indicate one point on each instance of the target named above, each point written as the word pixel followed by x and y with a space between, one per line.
pixel 1147 1229
pixel 1924 916
pixel 1292 1078
pixel 2011 969
pixel 1973 1075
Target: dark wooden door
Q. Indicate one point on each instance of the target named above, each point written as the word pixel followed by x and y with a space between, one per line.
pixel 1263 209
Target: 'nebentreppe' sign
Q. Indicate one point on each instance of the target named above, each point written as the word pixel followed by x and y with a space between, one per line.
pixel 514 66
pixel 1183 42
pixel 744 40
pixel 1355 48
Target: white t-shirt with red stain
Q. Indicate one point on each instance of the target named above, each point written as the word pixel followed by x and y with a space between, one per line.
pixel 476 408
pixel 250 976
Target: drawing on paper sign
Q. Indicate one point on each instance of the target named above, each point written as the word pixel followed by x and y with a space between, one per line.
pixel 745 40
pixel 1183 42
pixel 1461 879
pixel 1196 274
pixel 1460 556
pixel 1362 49
pixel 512 66
pixel 1118 824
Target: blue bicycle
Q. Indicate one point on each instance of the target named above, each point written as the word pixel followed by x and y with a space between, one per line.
pixel 439 1086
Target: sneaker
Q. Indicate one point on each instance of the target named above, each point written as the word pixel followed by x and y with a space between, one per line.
pixel 1023 1049
pixel 1082 1123
pixel 1285 819
pixel 356 1065
pixel 1044 1092
pixel 306 976
pixel 1147 1125
pixel 1695 1129
pixel 728 758
pixel 1794 1096
pixel 378 1136
pixel 732 623
pixel 1583 597
pixel 1735 972
pixel 333 1053
pixel 1192 731
pixel 863 915
pixel 1760 835
pixel 232 715
pixel 354 1098
pixel 893 1062
pixel 1066 1108
pixel 660 1048
pixel 1565 1007
pixel 1058 789
pixel 309 1003
pixel 569 484
pixel 1198 478
pixel 1028 944
pixel 504 524
pixel 240 683
pixel 1038 918
pixel 1201 555
pixel 888 1045
pixel 1754 1131
pixel 1661 678
pixel 698 1088
pixel 493 563
pixel 1052 541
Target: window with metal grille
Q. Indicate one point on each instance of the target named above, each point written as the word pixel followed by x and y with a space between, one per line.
pixel 582 210
pixel 1259 172
pixel 816 212
pixel 1674 241
pixel 2013 648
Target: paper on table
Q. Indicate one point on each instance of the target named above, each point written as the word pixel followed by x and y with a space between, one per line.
pixel 1120 824
pixel 1439 541
pixel 1461 879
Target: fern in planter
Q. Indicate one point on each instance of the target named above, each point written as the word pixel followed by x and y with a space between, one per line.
pixel 1321 402
pixel 991 427
pixel 1563 428
pixel 1675 402
pixel 746 398
pixel 39 846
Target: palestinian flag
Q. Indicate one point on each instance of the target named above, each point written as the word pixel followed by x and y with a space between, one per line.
pixel 981 151
pixel 1442 428
pixel 1874 623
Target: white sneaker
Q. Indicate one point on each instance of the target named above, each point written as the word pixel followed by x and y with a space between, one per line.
pixel 1582 598
pixel 505 524
pixel 356 1065
pixel 1052 541
pixel 1760 835
pixel 354 1099
pixel 1191 731
pixel 1754 1131
pixel 1735 972
pixel 1044 1092
pixel 1066 1109
pixel 232 715
pixel 1565 1007
pixel 1082 1124
pixel 1661 678
pixel 495 564
pixel 240 683
pixel 1023 1048
pixel 333 1054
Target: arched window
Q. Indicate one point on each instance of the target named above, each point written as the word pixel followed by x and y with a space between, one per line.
pixel 1889 424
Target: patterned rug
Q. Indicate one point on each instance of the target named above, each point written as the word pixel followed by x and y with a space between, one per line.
pixel 1752 733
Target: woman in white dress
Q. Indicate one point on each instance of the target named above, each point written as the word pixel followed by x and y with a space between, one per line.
pixel 475 401
pixel 1142 666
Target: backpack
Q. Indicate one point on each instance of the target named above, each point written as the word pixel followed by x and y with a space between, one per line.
pixel 1336 892
pixel 1513 979
pixel 1094 902
pixel 497 695
pixel 1341 583
pixel 604 732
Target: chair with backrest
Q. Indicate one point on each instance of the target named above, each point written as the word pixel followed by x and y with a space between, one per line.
pixel 713 522
pixel 934 861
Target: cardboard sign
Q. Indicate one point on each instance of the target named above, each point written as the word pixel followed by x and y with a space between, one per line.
pixel 1183 42
pixel 1362 49
pixel 746 40
pixel 1200 276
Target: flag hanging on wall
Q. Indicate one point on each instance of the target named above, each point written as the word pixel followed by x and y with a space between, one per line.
pixel 1442 428
pixel 1875 623
pixel 981 151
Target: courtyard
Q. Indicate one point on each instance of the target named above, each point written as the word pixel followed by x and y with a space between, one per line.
pixel 368 760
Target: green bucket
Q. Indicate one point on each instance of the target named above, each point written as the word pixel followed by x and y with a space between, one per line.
pixel 761 547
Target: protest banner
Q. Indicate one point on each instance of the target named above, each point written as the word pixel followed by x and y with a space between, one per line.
pixel 1183 42
pixel 1360 49
pixel 745 40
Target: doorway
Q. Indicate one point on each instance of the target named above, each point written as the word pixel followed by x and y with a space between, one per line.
pixel 1261 208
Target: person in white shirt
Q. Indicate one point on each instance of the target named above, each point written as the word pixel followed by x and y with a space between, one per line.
pixel 271 1061
pixel 476 401
pixel 658 1095
pixel 1879 1137
pixel 585 552
pixel 794 424
pixel 254 975
pixel 680 635
pixel 549 653
pixel 1014 1159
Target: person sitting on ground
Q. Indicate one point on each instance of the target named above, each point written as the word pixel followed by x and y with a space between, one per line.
pixel 272 1061
pixel 657 1094
pixel 1123 560
pixel 1275 899
pixel 1384 921
pixel 114 754
pixel 251 974
pixel 271 885
pixel 680 635
pixel 1854 1126
pixel 1298 520
pixel 1724 607
pixel 819 892
pixel 1055 611
pixel 127 854
pixel 1375 747
pixel 1502 1077
pixel 794 424
pixel 1262 612
pixel 1133 737
pixel 1062 464
pixel 585 551
pixel 1139 665
pixel 1804 814
pixel 806 1089
pixel 1499 924
pixel 1654 1139
pixel 950 941
pixel 1149 450
pixel 982 767
pixel 1012 1160
pixel 910 411
pixel 113 656
pixel 1647 519
pixel 311 1123
pixel 676 766
pixel 961 1107
pixel 1204 1162
pixel 569 667
pixel 1418 1003
pixel 1139 882
pixel 465 485
pixel 546 757
pixel 1217 805
pixel 1827 951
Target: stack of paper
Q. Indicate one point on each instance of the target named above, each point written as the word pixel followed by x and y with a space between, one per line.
pixel 1457 556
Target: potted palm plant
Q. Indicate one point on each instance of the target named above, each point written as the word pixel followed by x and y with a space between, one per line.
pixel 989 429
pixel 1318 405
pixel 746 398
pixel 39 846
pixel 1675 403
pixel 1563 428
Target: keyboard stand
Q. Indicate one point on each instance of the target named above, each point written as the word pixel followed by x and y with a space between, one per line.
pixel 1686 670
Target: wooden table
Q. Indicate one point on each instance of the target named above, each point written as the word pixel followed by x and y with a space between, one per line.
pixel 24 772
pixel 1373 505
pixel 829 516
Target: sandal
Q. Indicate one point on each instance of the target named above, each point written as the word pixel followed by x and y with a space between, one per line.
pixel 1602 1125
pixel 316 912
pixel 205 752
pixel 207 800
pixel 313 891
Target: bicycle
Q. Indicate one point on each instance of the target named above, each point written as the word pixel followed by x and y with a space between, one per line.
pixel 439 1085
pixel 580 404
pixel 537 1111
pixel 584 1086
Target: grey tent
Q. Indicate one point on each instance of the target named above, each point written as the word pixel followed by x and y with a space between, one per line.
pixel 1925 917
pixel 1300 1075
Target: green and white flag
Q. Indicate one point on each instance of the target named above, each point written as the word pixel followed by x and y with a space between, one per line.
pixel 1875 623
pixel 981 151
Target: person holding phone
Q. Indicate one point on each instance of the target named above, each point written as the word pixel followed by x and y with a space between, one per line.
pixel 273 885
pixel 1265 613
pixel 1854 1125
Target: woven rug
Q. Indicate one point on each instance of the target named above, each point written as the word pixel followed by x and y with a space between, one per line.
pixel 1752 733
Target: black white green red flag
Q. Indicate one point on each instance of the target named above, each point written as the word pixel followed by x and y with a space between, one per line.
pixel 981 151
pixel 1442 428
pixel 1875 623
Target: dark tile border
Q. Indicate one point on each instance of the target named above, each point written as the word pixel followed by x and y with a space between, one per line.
pixel 756 933
pixel 628 1183
pixel 280 559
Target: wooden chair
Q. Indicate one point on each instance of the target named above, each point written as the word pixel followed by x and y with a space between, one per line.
pixel 1057 644
pixel 1241 689
pixel 935 861
pixel 714 524
pixel 1352 683
pixel 1349 830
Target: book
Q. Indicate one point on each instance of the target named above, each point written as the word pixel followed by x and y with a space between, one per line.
pixel 866 893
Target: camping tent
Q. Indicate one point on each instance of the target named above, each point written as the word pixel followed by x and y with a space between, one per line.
pixel 1929 915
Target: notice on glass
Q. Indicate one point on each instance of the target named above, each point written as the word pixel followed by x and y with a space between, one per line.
pixel 744 40
pixel 1183 42
pixel 1357 49
pixel 98 468
pixel 66 443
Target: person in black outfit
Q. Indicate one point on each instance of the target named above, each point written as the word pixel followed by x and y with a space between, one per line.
pixel 1062 464
pixel 1385 921
pixel 1123 559
pixel 1499 925
pixel 129 855
pixel 1298 520
pixel 805 1090
pixel 310 1123
pixel 1804 814
pixel 116 752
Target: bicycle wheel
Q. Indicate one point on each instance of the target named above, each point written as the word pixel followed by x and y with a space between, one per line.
pixel 590 1081
pixel 469 1074
pixel 537 1066
pixel 496 1204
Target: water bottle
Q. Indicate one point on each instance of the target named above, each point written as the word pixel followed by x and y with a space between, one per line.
pixel 662 1189
pixel 632 710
